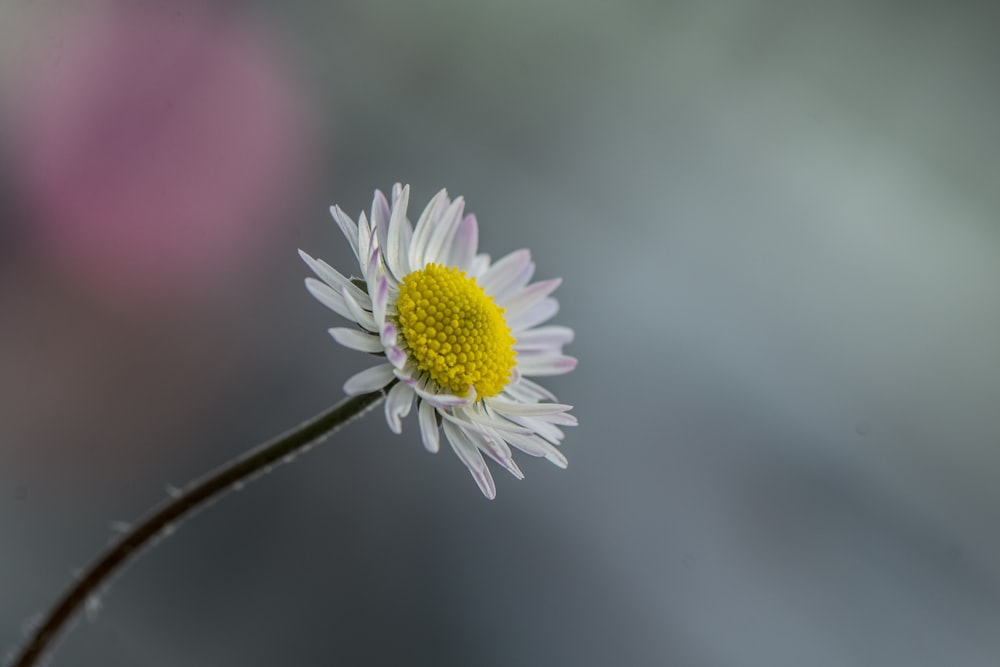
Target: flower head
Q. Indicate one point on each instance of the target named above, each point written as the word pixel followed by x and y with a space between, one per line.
pixel 459 334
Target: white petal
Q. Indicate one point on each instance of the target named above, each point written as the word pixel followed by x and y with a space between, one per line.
pixel 479 266
pixel 535 446
pixel 380 218
pixel 463 248
pixel 527 391
pixel 389 334
pixel 424 229
pixel 522 301
pixel 470 456
pixel 557 458
pixel 359 314
pixel 510 465
pixel 526 409
pixel 486 418
pixel 329 297
pixel 509 269
pixel 518 392
pixel 397 405
pixel 496 448
pixel 396 356
pixel 399 236
pixel 534 316
pixel 439 244
pixel 540 423
pixel 374 268
pixel 356 339
pixel 347 226
pixel 544 393
pixel 505 293
pixel 548 364
pixel 408 373
pixel 490 442
pixel 544 338
pixel 334 278
pixel 380 300
pixel 364 243
pixel 562 419
pixel 531 445
pixel 429 430
pixel 444 399
pixel 541 428
pixel 370 379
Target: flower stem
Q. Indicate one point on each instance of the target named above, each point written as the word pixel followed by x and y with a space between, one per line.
pixel 164 516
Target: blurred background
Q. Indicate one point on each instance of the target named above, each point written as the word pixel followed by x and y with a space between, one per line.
pixel 777 225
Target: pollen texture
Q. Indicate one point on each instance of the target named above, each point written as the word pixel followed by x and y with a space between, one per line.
pixel 454 331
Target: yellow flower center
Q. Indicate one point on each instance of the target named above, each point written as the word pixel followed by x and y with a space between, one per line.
pixel 454 331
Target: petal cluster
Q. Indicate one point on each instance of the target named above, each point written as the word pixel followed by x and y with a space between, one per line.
pixel 522 415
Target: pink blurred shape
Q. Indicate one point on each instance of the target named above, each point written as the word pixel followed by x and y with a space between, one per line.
pixel 159 147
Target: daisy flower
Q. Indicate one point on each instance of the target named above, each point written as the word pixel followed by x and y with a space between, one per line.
pixel 458 334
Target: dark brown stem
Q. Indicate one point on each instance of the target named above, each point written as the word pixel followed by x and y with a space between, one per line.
pixel 163 517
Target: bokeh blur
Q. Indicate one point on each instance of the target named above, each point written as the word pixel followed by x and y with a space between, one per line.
pixel 778 227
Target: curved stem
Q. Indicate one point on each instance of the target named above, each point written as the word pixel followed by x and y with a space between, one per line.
pixel 195 495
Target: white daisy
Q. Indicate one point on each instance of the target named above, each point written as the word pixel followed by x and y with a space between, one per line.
pixel 459 334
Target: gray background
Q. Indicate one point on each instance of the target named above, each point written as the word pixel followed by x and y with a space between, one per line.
pixel 777 225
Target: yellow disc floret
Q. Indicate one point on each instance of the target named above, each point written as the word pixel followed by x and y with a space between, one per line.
pixel 454 331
